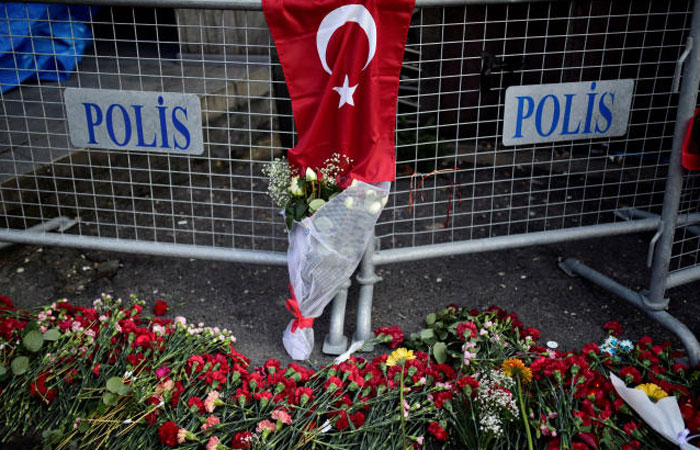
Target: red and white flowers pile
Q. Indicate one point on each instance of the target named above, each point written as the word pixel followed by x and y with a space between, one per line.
pixel 111 376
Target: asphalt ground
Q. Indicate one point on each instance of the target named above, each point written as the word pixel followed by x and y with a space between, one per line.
pixel 249 299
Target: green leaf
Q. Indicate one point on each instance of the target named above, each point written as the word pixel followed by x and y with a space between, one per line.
pixel 114 384
pixel 51 437
pixel 300 211
pixel 52 335
pixel 440 352
pixel 430 319
pixel 315 204
pixel 31 326
pixel 33 341
pixel 123 390
pixel 20 365
pixel 3 372
pixel 427 334
pixel 109 399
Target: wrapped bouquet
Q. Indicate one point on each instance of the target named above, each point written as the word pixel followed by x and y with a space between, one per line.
pixel 329 229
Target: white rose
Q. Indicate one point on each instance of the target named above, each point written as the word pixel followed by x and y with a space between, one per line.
pixel 374 207
pixel 310 174
pixel 294 188
pixel 349 202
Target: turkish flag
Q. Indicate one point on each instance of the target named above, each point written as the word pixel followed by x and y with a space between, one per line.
pixel 342 61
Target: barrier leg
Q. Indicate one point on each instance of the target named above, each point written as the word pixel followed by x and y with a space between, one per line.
pixel 336 342
pixel 573 266
pixel 367 278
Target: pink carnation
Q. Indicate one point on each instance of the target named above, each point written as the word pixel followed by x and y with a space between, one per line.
pixel 265 425
pixel 181 436
pixel 282 416
pixel 211 421
pixel 211 401
pixel 213 442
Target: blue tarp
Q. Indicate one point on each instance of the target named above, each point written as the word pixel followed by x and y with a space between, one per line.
pixel 41 41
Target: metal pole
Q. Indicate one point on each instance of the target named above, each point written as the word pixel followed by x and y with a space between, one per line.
pixel 398 255
pixel 145 248
pixel 367 277
pixel 60 223
pixel 687 338
pixel 674 183
pixel 253 5
pixel 682 277
pixel 336 342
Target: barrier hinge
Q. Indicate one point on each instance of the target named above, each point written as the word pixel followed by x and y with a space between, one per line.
pixel 679 64
pixel 652 243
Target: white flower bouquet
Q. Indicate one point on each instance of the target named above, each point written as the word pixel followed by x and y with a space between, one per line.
pixel 330 228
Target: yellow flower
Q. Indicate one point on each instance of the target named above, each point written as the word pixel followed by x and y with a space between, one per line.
pixel 514 367
pixel 399 356
pixel 653 391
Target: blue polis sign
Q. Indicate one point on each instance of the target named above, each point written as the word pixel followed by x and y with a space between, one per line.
pixel 566 111
pixel 163 122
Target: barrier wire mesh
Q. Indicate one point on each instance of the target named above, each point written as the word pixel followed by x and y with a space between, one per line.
pixel 455 179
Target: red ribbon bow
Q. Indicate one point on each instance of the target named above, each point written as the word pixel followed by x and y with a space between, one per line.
pixel 299 320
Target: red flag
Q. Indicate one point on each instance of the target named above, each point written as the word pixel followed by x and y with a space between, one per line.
pixel 342 61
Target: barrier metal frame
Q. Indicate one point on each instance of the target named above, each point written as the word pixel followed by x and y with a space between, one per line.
pixel 666 224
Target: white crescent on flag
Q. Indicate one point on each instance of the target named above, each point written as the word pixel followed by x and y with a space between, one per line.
pixel 339 17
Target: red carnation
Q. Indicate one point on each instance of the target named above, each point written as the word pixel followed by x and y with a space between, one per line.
pixel 302 392
pixel 242 440
pixel 5 302
pixel 263 397
pixel 441 397
pixel 463 328
pixel 143 340
pixel 554 444
pixel 436 430
pixel 342 421
pixel 468 381
pixel 39 389
pixel 168 433
pixel 534 332
pixel 634 376
pixel 630 426
pixel 333 381
pixel 358 419
pixel 71 376
pixel 160 308
pixel 590 348
pixel 393 335
pixel 272 365
pixel 613 327
pixel 644 342
pixel 197 403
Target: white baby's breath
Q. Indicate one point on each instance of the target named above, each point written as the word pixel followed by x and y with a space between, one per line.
pixel 280 181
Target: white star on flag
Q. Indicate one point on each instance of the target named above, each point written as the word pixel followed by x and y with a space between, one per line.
pixel 345 91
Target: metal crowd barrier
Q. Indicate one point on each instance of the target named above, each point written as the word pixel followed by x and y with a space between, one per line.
pixel 458 190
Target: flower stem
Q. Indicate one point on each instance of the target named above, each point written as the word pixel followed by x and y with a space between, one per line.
pixel 401 408
pixel 523 413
